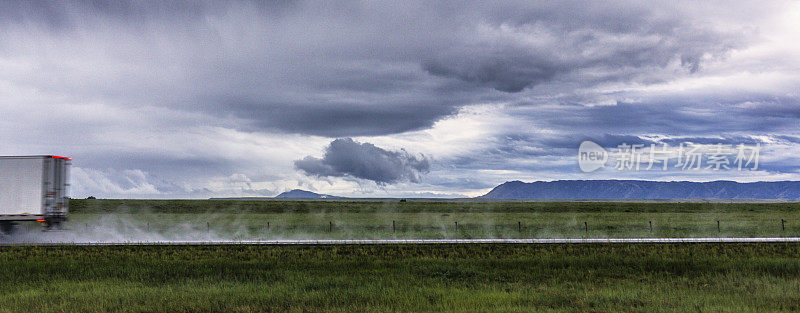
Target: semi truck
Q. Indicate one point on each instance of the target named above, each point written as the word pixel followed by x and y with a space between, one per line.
pixel 33 189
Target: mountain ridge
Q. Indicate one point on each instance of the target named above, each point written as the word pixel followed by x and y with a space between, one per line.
pixel 644 189
pixel 304 194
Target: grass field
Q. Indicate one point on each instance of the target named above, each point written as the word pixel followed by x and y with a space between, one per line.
pixel 412 278
pixel 201 219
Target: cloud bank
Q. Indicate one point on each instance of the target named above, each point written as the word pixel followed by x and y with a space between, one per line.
pixel 196 99
pixel 346 157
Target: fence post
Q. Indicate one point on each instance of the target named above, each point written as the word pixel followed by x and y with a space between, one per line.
pixel 456 226
pixel 330 226
pixel 586 226
pixel 718 226
pixel 651 226
pixel 519 226
pixel 148 226
pixel 783 226
pixel 393 227
pixel 267 226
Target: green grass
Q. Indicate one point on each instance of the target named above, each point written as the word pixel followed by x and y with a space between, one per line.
pixel 281 206
pixel 411 278
pixel 371 220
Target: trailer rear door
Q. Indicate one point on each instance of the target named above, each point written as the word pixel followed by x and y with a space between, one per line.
pixel 21 185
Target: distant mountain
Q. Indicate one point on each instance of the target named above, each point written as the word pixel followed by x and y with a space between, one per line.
pixel 305 194
pixel 641 189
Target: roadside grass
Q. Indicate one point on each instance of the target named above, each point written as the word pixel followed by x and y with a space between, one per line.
pixel 389 206
pixel 274 219
pixel 411 278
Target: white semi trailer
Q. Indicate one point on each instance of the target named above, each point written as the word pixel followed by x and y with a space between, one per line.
pixel 33 189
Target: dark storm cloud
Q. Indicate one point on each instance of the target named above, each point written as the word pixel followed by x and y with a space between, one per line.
pixel 723 114
pixel 517 47
pixel 724 140
pixel 700 119
pixel 791 139
pixel 566 144
pixel 561 144
pixel 132 88
pixel 608 140
pixel 346 157
pixel 507 73
pixel 342 119
pixel 356 69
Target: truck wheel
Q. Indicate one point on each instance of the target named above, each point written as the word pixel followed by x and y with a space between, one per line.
pixel 7 228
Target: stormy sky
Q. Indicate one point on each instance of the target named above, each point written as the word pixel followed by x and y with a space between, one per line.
pixel 432 99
